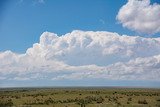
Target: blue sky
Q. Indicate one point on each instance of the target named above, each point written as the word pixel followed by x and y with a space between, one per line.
pixel 39 58
pixel 23 21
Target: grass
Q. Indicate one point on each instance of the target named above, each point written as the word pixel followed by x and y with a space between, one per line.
pixel 79 97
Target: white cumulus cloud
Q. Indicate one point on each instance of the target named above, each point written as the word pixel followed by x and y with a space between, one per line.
pixel 84 54
pixel 140 16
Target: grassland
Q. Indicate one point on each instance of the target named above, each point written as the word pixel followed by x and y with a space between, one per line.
pixel 79 97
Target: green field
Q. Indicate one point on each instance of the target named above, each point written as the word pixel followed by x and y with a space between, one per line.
pixel 79 97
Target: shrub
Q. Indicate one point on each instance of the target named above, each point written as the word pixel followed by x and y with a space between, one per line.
pixel 129 99
pixel 158 100
pixel 6 103
pixel 100 100
pixel 142 102
pixel 119 104
pixel 82 102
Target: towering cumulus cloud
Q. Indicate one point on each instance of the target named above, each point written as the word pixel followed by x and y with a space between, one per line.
pixel 85 54
pixel 140 16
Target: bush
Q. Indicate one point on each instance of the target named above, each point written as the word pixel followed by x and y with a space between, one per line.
pixel 158 100
pixel 100 100
pixel 6 103
pixel 129 99
pixel 82 102
pixel 142 102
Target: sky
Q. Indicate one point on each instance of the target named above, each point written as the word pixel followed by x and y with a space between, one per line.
pixel 74 42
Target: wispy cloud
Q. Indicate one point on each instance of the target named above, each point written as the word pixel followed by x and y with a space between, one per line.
pixel 102 21
pixel 40 1
pixel 33 2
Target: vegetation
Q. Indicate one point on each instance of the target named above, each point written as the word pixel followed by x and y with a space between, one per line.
pixel 79 97
pixel 142 102
pixel 6 103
